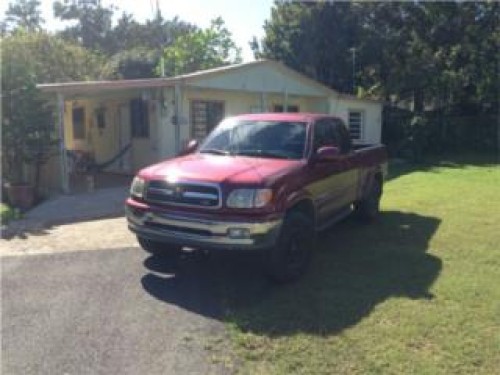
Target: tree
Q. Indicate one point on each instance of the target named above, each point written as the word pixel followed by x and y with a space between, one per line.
pixel 132 64
pixel 135 48
pixel 154 34
pixel 27 127
pixel 440 56
pixel 27 123
pixel 94 22
pixel 313 38
pixel 201 49
pixel 432 52
pixel 24 14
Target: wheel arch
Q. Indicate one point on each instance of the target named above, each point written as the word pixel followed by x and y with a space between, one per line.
pixel 374 177
pixel 305 206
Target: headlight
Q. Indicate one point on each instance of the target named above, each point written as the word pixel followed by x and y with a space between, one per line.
pixel 137 187
pixel 249 198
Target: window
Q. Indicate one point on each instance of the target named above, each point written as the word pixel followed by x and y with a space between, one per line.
pixel 100 118
pixel 267 139
pixel 205 115
pixel 79 123
pixel 290 108
pixel 325 134
pixel 139 118
pixel 356 124
pixel 343 137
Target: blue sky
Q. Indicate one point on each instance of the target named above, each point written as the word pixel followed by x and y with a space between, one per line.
pixel 243 18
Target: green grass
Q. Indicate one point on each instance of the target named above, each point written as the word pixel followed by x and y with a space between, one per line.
pixel 417 292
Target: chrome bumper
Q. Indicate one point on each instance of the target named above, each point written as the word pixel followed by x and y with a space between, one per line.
pixel 202 233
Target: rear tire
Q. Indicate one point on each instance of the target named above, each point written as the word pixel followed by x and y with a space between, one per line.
pixel 368 208
pixel 159 248
pixel 289 259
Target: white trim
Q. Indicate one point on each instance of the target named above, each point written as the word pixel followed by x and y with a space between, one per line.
pixel 62 145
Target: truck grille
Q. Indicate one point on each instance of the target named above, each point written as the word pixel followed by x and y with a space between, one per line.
pixel 183 194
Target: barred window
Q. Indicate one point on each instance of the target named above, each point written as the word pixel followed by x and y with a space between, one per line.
pixel 356 124
pixel 290 108
pixel 205 115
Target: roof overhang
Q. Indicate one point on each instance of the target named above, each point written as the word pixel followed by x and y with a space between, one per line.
pixel 198 79
pixel 88 87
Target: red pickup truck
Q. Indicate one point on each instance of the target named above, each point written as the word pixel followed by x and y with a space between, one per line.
pixel 261 182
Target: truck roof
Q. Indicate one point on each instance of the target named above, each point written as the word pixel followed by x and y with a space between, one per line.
pixel 280 116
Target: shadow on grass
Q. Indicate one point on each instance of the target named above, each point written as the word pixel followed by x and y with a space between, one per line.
pixel 355 268
pixel 400 167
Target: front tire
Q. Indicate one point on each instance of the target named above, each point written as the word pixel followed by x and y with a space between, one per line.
pixel 159 248
pixel 289 259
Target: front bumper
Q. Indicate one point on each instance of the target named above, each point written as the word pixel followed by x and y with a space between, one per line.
pixel 201 232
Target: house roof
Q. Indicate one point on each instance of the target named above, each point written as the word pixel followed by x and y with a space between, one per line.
pixel 190 79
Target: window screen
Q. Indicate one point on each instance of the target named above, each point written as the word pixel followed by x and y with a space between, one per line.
pixel 324 134
pixel 205 115
pixel 356 124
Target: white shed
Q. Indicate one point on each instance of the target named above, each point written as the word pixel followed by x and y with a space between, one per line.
pixel 134 123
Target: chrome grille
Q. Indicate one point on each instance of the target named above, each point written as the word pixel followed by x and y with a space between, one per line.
pixel 183 194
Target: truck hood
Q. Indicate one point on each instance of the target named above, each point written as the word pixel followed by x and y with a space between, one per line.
pixel 221 169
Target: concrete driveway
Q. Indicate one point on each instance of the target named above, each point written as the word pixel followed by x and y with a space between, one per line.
pixel 65 209
pixel 83 298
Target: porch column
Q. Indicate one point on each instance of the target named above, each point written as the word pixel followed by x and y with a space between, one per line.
pixel 177 116
pixel 162 123
pixel 263 101
pixel 62 146
pixel 285 100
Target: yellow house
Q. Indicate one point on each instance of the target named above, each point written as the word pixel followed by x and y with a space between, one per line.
pixel 125 125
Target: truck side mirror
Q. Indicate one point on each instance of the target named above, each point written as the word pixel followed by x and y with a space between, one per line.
pixel 327 153
pixel 190 148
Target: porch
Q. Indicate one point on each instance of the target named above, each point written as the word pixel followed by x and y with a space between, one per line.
pixel 83 183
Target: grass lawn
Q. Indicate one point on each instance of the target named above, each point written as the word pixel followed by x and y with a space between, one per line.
pixel 417 292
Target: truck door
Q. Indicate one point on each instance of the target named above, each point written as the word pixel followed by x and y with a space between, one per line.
pixel 333 183
pixel 350 170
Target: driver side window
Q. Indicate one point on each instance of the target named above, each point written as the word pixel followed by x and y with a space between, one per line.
pixel 324 134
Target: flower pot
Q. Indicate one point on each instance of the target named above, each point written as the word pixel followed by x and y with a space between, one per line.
pixel 21 195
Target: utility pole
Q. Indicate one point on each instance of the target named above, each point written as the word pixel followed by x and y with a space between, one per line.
pixel 353 51
pixel 157 14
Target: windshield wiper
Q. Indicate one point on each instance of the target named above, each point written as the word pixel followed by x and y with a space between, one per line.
pixel 261 153
pixel 214 151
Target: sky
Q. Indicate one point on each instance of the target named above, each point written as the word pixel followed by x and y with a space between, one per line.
pixel 244 19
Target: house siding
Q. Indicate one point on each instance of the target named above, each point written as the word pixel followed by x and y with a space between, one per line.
pixel 372 116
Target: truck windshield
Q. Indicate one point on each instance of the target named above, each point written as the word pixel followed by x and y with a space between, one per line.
pixel 266 139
